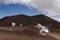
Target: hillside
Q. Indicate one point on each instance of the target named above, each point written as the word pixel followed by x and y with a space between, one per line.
pixel 30 21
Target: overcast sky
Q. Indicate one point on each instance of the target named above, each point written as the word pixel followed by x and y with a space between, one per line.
pixel 50 8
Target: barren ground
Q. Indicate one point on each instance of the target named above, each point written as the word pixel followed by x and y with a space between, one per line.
pixel 5 35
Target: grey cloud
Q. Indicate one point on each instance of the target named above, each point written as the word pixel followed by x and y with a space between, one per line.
pixel 50 6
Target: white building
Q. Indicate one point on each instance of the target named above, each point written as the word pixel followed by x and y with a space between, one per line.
pixel 13 24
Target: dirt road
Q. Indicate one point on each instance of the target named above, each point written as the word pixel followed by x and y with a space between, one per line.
pixel 16 36
pixel 9 36
pixel 54 35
